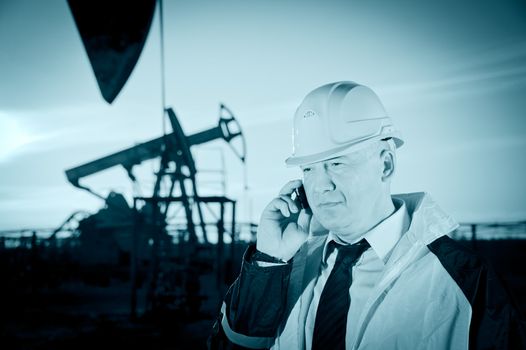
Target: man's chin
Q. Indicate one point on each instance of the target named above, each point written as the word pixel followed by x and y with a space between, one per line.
pixel 335 222
pixel 331 224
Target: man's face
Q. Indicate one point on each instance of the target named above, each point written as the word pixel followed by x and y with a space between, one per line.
pixel 343 192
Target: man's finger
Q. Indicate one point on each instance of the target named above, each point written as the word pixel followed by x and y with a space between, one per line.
pixel 280 205
pixel 290 187
pixel 292 206
pixel 304 220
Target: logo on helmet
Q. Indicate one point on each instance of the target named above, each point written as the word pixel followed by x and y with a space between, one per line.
pixel 309 114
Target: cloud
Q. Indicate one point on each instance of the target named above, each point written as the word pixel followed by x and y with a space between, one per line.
pixel 14 137
pixel 473 71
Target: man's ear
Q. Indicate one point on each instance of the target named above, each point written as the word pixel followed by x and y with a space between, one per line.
pixel 388 164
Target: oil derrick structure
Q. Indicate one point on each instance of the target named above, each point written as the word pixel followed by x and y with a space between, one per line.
pixel 178 166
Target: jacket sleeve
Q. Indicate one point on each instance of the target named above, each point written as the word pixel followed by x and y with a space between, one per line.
pixel 253 307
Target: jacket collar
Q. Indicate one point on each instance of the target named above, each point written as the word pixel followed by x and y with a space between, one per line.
pixel 428 220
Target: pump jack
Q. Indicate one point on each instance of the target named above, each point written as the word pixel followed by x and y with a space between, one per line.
pixel 173 149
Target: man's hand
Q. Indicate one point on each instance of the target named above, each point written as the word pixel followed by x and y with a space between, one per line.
pixel 283 227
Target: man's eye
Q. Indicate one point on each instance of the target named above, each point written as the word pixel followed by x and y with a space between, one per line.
pixel 306 170
pixel 336 164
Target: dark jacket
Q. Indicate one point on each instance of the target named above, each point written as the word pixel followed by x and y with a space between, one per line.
pixel 434 294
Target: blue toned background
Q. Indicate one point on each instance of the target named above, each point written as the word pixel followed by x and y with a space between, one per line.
pixel 451 74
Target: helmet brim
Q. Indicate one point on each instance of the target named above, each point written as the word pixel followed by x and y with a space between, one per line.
pixel 339 151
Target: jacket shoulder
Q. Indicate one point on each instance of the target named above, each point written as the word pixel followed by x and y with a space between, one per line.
pixel 466 267
pixel 456 257
pixel 495 321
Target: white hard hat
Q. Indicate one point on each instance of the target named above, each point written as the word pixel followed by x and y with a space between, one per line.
pixel 336 119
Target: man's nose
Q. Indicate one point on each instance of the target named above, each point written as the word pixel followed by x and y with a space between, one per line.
pixel 323 182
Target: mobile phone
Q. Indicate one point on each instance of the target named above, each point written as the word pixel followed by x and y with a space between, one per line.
pixel 302 197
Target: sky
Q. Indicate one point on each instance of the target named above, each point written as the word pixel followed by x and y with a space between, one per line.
pixel 451 75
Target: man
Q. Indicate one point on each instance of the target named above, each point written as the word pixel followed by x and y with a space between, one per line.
pixel 359 269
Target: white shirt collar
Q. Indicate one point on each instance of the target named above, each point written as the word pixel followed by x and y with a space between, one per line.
pixel 383 236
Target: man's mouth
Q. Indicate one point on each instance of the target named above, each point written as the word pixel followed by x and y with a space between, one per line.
pixel 328 204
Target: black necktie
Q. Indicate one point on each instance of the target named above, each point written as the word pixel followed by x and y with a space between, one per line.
pixel 331 317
